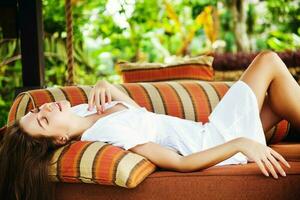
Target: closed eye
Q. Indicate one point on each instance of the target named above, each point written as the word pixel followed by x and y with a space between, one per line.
pixel 44 118
pixel 37 110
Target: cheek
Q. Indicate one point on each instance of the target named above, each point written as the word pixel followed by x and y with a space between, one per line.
pixel 60 123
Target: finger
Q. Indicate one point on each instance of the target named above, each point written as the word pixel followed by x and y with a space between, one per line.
pixel 91 99
pixel 279 157
pixel 276 164
pixel 97 100
pixel 270 167
pixel 102 99
pixel 108 94
pixel 262 167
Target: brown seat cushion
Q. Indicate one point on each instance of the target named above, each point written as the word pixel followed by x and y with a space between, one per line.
pixel 220 182
pixel 228 170
pixel 289 150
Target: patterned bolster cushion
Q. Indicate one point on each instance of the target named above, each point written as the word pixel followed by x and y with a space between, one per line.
pixel 197 68
pixel 100 163
pixel 103 163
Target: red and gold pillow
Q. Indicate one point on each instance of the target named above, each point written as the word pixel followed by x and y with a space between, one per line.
pixel 197 68
pixel 99 163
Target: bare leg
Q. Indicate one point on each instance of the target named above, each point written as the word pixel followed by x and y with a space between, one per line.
pixel 267 115
pixel 268 74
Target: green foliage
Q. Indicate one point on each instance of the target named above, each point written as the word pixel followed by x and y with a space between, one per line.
pixel 251 18
pixel 285 14
pixel 280 41
pixel 10 75
pixel 149 35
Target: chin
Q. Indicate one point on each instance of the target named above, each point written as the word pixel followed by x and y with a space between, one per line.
pixel 65 104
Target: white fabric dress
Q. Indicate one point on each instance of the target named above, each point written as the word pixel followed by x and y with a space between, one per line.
pixel 236 115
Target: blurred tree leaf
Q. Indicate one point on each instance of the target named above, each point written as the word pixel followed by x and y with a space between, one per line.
pixel 156 30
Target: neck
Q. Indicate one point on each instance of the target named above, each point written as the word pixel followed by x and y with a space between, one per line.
pixel 81 124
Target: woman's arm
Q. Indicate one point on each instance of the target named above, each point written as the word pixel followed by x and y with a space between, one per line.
pixel 104 89
pixel 168 159
pixel 209 157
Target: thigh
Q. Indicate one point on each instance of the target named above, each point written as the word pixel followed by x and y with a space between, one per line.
pixel 267 116
pixel 259 75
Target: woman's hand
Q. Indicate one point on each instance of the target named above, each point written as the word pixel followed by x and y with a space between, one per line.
pixel 97 96
pixel 264 156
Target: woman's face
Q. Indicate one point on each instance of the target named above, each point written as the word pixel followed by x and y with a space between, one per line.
pixel 49 120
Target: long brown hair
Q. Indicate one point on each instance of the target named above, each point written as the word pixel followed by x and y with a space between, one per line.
pixel 24 162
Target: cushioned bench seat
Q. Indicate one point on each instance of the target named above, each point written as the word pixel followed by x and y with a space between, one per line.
pixel 192 100
pixel 220 182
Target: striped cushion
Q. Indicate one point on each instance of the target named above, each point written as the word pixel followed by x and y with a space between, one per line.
pixel 99 162
pixel 198 68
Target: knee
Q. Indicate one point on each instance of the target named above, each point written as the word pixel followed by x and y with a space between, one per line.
pixel 270 58
pixel 272 61
pixel 267 54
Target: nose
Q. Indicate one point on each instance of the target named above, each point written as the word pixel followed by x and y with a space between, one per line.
pixel 47 107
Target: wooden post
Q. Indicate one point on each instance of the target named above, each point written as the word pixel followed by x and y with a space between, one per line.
pixel 31 35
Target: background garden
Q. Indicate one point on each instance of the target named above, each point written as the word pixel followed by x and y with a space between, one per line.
pixel 106 32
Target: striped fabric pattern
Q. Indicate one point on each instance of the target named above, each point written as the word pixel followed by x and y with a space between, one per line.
pixel 187 71
pixel 77 161
pixel 198 68
pixel 102 163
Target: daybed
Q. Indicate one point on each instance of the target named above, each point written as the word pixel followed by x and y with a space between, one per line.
pixel 193 100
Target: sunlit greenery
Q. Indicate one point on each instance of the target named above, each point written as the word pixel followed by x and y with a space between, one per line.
pixel 106 32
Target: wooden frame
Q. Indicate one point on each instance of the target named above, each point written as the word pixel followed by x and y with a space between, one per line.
pixel 31 35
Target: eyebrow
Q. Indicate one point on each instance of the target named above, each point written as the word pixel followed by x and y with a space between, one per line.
pixel 39 123
pixel 36 110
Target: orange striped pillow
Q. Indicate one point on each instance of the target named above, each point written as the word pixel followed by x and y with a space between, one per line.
pixel 100 163
pixel 197 68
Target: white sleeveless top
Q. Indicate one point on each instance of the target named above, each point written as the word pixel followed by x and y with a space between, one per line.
pixel 236 115
pixel 132 126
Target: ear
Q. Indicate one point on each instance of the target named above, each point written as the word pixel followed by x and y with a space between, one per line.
pixel 61 140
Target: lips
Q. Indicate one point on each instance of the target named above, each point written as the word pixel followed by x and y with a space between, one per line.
pixel 59 106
